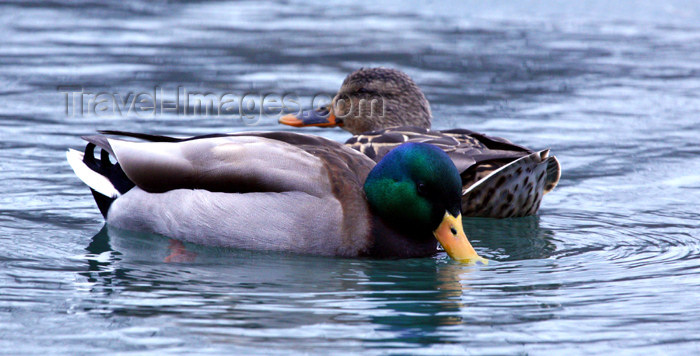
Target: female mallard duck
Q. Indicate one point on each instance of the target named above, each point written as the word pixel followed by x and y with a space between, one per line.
pixel 279 191
pixel 384 108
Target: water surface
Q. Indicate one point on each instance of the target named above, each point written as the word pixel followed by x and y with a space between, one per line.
pixel 611 262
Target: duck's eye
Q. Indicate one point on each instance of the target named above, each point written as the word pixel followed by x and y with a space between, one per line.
pixel 420 188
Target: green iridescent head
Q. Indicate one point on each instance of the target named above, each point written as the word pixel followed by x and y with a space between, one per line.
pixel 417 189
pixel 415 184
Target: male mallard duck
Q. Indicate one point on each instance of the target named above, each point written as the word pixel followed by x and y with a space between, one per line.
pixel 384 108
pixel 279 191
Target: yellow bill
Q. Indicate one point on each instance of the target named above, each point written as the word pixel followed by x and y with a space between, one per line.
pixel 450 234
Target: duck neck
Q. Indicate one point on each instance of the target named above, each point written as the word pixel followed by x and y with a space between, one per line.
pixel 393 242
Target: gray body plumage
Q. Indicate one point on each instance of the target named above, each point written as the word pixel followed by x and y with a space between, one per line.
pixel 258 221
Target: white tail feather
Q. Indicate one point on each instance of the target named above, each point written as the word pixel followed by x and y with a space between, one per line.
pixel 93 179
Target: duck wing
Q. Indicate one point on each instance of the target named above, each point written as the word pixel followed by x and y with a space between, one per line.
pixel 236 163
pixel 467 149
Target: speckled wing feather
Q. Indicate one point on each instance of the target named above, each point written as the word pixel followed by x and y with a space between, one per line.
pixel 514 189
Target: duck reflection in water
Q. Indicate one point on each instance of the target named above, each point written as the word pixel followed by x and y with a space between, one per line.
pixel 410 298
pixel 425 298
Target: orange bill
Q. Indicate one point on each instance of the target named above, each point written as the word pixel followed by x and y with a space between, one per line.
pixel 450 234
pixel 319 117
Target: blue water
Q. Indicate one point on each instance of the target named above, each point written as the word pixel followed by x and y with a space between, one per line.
pixel 610 264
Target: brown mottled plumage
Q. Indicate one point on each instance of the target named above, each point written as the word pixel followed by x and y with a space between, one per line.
pixel 378 98
pixel 384 107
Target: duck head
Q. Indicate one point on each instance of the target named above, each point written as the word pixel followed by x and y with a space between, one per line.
pixel 370 99
pixel 417 189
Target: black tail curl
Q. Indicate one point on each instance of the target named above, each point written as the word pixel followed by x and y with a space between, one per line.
pixel 104 167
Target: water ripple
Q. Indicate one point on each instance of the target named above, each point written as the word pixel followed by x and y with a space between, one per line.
pixel 610 263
